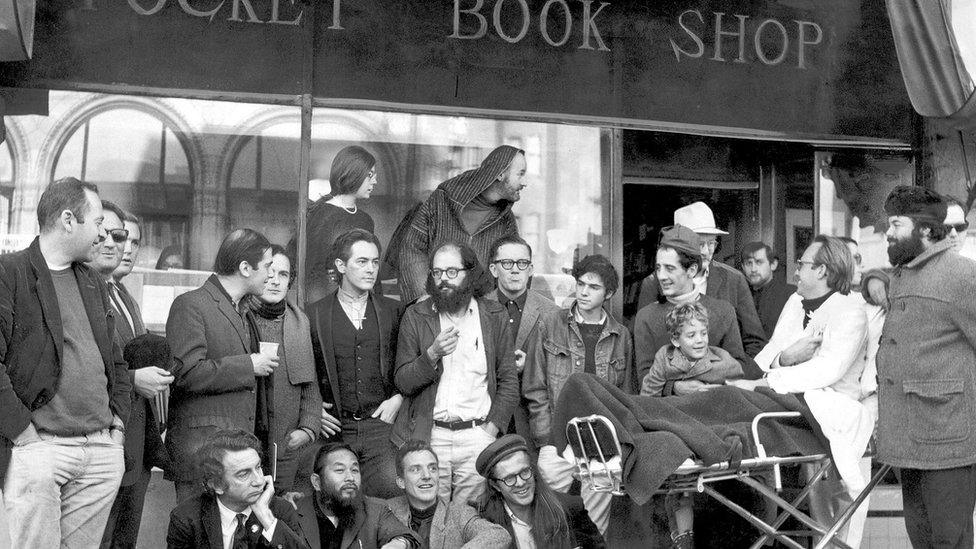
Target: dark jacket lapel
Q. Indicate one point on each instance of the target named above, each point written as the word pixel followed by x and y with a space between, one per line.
pixel 323 328
pixel 351 534
pixel 210 518
pixel 134 311
pixel 44 286
pixel 529 317
pixel 227 309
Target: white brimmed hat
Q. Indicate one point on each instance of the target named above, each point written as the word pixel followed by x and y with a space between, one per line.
pixel 698 217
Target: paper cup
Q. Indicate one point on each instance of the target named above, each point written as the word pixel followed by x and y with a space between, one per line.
pixel 268 349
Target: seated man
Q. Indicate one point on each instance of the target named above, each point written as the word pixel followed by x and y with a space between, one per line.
pixel 818 349
pixel 439 524
pixel 337 515
pixel 534 514
pixel 238 508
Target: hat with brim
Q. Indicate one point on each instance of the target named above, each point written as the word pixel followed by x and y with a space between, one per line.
pixel 682 239
pixel 698 217
pixel 497 451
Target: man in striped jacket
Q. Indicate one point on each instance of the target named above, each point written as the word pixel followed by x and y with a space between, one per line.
pixel 474 208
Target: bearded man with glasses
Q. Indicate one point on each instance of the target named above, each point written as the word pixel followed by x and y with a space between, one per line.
pixel 519 499
pixel 456 369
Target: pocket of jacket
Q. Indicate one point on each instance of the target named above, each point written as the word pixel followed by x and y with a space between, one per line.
pixel 559 364
pixel 938 410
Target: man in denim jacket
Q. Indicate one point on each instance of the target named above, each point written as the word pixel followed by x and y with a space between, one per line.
pixel 583 338
pixel 926 373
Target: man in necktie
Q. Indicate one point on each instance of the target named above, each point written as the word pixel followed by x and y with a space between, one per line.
pixel 238 509
pixel 511 265
pixel 143 446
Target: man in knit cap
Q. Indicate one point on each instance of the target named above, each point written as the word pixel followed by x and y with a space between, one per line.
pixel 926 375
pixel 474 207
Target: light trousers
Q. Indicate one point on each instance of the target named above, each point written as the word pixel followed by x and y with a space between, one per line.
pixel 59 490
pixel 456 453
pixel 558 474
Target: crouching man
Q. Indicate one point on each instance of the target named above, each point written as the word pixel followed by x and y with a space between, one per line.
pixel 238 508
pixel 439 523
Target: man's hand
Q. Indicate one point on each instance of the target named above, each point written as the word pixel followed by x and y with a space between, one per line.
pixel 878 293
pixel 263 364
pixel 490 428
pixel 689 386
pixel 330 423
pixel 397 543
pixel 27 436
pixel 262 507
pixel 151 381
pixel 444 344
pixel 748 384
pixel 292 498
pixel 801 351
pixel 388 409
pixel 298 438
pixel 519 360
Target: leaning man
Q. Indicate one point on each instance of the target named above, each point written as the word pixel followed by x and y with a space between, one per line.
pixel 927 379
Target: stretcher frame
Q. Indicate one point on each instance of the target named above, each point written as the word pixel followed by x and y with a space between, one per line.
pixel 602 473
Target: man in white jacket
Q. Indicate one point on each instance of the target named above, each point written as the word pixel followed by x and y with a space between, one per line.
pixel 818 348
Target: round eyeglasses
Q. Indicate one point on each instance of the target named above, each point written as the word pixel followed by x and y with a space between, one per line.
pixel 507 264
pixel 451 273
pixel 512 480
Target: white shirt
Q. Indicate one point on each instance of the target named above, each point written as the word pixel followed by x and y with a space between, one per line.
pixel 462 393
pixel 522 531
pixel 228 524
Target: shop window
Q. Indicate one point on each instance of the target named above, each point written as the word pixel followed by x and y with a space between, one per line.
pixel 561 212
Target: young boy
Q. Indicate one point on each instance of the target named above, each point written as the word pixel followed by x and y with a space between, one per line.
pixel 689 356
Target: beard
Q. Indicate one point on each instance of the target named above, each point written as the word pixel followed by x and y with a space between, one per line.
pixel 344 506
pixel 901 251
pixel 449 299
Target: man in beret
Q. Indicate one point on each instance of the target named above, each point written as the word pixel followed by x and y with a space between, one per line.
pixel 534 514
pixel 927 380
pixel 677 263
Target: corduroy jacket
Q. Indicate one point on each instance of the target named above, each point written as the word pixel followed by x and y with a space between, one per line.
pixel 417 378
pixel 927 363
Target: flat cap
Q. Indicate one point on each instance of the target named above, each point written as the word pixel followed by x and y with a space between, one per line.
pixel 681 238
pixel 916 202
pixel 497 451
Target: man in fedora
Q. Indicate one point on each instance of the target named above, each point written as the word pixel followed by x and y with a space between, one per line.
pixel 716 279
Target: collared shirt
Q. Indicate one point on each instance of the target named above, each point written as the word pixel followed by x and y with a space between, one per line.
pixel 522 531
pixel 228 524
pixel 462 393
pixel 701 281
pixel 579 318
pixel 515 309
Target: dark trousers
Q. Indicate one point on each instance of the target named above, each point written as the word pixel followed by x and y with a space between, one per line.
pixel 939 507
pixel 370 438
pixel 122 529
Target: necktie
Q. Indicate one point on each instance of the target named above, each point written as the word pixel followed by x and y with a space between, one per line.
pixel 239 540
pixel 113 292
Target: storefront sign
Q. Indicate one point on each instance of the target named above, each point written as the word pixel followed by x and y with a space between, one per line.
pixel 799 67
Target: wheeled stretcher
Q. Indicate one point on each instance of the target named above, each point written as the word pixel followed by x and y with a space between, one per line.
pixel 599 461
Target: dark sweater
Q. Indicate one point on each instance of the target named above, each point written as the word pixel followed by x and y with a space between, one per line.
pixel 325 223
pixel 769 300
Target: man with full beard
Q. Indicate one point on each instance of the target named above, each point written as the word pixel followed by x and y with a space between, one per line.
pixel 338 516
pixel 926 375
pixel 456 369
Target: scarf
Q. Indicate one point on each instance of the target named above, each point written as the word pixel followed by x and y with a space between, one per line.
pixel 268 311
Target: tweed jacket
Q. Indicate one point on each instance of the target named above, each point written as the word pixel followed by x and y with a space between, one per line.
pixel 214 384
pixel 417 377
pixel 455 525
pixel 32 340
pixel 729 285
pixel 388 313
pixel 927 363
pixel 439 218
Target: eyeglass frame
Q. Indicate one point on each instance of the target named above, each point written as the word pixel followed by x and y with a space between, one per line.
pixel 525 474
pixel 514 263
pixel 800 263
pixel 111 233
pixel 437 273
pixel 964 227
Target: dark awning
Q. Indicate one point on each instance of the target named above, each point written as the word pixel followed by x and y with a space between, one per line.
pixel 939 84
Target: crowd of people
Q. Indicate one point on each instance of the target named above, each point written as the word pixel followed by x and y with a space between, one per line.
pixel 358 420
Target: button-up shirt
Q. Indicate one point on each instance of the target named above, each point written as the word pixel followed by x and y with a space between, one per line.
pixel 522 531
pixel 462 393
pixel 228 524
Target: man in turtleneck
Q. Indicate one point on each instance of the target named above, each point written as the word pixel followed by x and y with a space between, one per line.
pixel 678 262
pixel 438 523
pixel 354 336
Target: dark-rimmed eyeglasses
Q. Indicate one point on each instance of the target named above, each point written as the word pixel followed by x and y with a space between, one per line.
pixel 451 273
pixel 118 235
pixel 507 264
pixel 959 227
pixel 512 480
